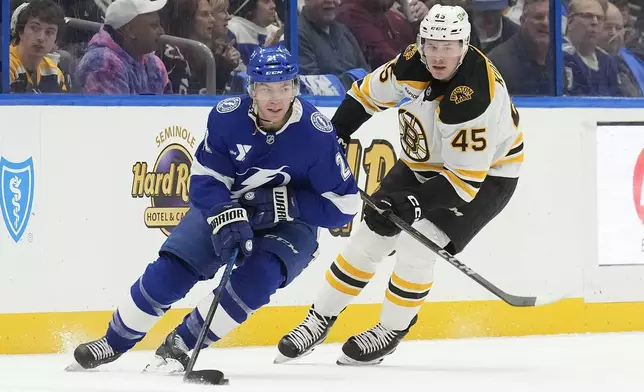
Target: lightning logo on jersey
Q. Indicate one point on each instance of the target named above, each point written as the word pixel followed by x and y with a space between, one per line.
pixel 259 178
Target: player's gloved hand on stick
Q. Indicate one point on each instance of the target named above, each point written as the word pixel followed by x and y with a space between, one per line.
pixel 269 206
pixel 403 204
pixel 230 230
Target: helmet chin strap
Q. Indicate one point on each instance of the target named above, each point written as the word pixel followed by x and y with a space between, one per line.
pixel 258 119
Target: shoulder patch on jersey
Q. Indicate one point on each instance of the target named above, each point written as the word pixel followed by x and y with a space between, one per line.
pixel 409 67
pixel 321 122
pixel 470 92
pixel 228 105
pixel 410 51
pixel 461 94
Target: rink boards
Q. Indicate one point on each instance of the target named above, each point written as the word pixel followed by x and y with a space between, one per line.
pixel 88 194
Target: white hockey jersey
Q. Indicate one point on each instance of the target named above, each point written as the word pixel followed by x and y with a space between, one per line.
pixel 464 129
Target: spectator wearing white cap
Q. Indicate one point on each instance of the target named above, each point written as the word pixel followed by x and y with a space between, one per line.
pixel 491 26
pixel 120 58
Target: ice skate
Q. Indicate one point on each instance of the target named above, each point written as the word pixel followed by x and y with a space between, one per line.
pixel 370 347
pixel 92 354
pixel 302 340
pixel 171 357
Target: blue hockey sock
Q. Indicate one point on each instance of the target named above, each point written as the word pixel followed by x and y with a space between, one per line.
pixel 249 288
pixel 163 283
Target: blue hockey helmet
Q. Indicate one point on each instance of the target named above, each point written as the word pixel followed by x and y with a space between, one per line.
pixel 271 64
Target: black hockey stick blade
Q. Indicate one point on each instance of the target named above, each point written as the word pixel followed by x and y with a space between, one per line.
pixel 210 377
pixel 513 300
pixel 214 377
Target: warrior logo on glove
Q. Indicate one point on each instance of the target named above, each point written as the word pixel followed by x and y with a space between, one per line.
pixel 269 206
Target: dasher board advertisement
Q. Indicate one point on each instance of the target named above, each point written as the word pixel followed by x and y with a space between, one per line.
pixel 620 193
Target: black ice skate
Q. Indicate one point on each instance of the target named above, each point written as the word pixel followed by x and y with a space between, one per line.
pixel 303 339
pixel 371 346
pixel 171 357
pixel 92 354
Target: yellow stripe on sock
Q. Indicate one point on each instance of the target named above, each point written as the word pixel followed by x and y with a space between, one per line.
pixel 351 270
pixel 341 287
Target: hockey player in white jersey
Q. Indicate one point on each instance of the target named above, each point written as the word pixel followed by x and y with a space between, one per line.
pixel 462 150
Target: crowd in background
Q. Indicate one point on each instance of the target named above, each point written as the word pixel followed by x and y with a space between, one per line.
pixel 339 41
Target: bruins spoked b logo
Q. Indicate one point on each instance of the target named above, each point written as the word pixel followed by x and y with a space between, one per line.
pixel 412 136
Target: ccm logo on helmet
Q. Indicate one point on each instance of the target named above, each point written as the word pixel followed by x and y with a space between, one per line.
pixel 438 28
pixel 274 72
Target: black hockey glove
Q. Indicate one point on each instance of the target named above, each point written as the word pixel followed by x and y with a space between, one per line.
pixel 402 203
pixel 269 206
pixel 230 230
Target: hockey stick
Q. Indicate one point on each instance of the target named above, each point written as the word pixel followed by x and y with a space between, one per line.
pixel 209 376
pixel 510 299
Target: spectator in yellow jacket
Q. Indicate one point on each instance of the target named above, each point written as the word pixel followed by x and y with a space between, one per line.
pixel 30 70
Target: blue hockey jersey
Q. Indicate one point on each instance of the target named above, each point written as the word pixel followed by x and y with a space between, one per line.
pixel 237 157
pixel 582 80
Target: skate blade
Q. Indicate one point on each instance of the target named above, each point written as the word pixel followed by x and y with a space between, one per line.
pixel 76 367
pixel 163 366
pixel 281 358
pixel 346 361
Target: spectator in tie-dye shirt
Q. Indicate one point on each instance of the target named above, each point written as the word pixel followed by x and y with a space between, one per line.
pixel 120 58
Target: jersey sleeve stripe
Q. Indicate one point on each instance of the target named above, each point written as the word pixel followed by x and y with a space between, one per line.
pixel 347 204
pixel 359 96
pixel 506 160
pixel 200 170
pixel 362 91
pixel 462 188
pixel 423 166
pixel 514 155
pixel 515 150
pixel 476 175
pixel 473 183
pixel 519 140
pixel 365 87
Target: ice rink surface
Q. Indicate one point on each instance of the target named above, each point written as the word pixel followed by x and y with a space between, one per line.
pixel 600 362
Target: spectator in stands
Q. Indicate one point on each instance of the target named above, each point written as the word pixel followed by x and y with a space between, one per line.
pixel 254 23
pixel 37 26
pixel 119 59
pixel 587 70
pixel 381 32
pixel 73 45
pixel 630 66
pixel 491 26
pixel 227 57
pixel 525 60
pixel 192 19
pixel 325 45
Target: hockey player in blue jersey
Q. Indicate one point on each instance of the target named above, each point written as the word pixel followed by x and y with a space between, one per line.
pixel 267 175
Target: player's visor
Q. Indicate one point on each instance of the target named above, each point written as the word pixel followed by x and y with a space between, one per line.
pixel 274 91
pixel 434 48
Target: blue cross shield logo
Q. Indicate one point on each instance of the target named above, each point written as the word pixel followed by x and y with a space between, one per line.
pixel 16 195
